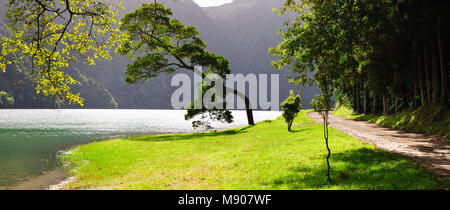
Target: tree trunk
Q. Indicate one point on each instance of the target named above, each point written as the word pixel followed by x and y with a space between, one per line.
pixel 354 96
pixel 366 101
pixel 358 106
pixel 416 86
pixel 250 119
pixel 385 111
pixel 395 105
pixel 249 111
pixel 444 84
pixel 435 78
pixel 325 134
pixel 248 106
pixel 374 109
pixel 364 89
pixel 419 75
pixel 427 73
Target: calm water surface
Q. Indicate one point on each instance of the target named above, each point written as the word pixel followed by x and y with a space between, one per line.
pixel 30 139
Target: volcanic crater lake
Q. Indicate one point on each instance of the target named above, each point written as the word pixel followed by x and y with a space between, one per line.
pixel 31 139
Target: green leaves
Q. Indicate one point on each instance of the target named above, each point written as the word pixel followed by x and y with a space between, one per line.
pixel 54 35
pixel 6 100
pixel 168 44
pixel 291 107
pixel 324 40
pixel 148 66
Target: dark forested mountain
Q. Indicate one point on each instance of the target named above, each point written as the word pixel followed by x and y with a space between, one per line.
pixel 241 31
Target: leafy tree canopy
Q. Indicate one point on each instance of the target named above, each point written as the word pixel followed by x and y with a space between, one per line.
pixel 54 34
pixel 168 45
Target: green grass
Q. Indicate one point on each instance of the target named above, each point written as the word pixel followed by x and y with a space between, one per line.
pixel 261 157
pixel 427 120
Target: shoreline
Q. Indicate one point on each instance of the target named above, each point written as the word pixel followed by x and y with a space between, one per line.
pixel 42 182
pixel 62 182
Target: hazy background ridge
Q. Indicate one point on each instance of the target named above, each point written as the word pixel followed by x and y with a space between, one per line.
pixel 242 31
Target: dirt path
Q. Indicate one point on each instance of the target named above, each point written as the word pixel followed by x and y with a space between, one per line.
pixel 432 152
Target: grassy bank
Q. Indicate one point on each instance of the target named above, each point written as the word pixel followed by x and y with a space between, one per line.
pixel 427 120
pixel 265 156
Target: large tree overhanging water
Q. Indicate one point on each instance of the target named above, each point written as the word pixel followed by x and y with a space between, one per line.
pixel 168 46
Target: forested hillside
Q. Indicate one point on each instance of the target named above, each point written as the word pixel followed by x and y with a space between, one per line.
pixel 241 31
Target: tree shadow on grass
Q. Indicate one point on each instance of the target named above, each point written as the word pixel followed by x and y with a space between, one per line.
pixel 362 169
pixel 177 137
pixel 298 129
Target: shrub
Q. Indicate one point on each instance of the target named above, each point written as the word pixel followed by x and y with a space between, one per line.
pixel 291 107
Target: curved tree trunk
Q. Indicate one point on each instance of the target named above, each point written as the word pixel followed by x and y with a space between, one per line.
pixel 248 106
pixel 325 135
pixel 249 111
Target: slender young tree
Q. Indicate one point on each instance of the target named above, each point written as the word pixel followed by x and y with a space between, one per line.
pixel 322 105
pixel 309 46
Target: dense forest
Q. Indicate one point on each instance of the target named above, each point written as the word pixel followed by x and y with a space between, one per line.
pixel 376 56
pixel 407 65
